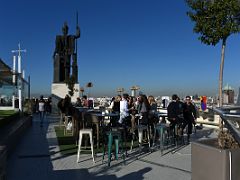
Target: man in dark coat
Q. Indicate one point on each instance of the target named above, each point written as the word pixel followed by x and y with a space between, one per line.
pixel 189 113
pixel 175 112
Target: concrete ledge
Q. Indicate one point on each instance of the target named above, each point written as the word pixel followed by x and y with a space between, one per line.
pixel 208 123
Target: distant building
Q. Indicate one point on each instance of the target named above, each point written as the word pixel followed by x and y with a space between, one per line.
pixel 238 98
pixel 228 95
pixel 10 83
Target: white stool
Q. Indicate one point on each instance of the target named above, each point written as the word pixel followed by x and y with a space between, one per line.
pixel 68 130
pixel 81 132
pixel 142 128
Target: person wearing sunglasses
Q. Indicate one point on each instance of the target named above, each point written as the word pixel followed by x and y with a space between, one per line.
pixel 190 115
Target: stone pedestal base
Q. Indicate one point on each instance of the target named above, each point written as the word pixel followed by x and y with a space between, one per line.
pixel 60 90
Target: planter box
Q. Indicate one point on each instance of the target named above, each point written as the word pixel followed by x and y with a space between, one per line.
pixel 212 163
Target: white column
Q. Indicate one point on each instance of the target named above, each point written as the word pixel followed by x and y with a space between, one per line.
pixel 20 97
pixel 13 101
pixel 19 64
pixel 14 69
pixel 19 84
pixel 19 79
pixel 23 74
pixel 14 80
pixel 133 93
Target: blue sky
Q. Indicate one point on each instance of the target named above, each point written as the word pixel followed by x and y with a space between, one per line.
pixel 123 43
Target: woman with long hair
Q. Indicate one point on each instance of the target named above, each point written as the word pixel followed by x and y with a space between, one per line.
pixel 143 109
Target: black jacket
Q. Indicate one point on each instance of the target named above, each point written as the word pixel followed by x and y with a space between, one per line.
pixel 175 110
pixel 189 112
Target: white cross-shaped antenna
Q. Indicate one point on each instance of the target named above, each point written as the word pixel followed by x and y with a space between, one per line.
pixel 19 56
pixel 19 71
pixel 19 50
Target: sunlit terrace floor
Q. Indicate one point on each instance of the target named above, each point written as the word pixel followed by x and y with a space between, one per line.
pixel 37 156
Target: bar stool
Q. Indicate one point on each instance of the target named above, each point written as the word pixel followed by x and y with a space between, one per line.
pixel 117 137
pixel 179 135
pixel 141 128
pixel 88 132
pixel 133 137
pixel 162 129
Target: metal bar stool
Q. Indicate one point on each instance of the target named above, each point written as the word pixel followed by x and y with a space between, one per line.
pixel 162 129
pixel 115 135
pixel 88 132
pixel 141 128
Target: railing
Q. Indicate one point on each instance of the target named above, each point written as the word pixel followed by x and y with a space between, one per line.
pixel 231 120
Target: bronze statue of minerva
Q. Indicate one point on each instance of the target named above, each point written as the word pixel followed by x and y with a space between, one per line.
pixel 65 51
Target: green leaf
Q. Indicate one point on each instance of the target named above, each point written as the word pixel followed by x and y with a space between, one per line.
pixel 214 20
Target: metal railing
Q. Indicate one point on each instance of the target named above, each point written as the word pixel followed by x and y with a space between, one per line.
pixel 231 120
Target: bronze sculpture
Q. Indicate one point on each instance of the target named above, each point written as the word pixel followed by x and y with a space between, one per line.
pixel 65 55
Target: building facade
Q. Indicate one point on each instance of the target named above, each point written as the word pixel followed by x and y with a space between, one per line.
pixel 228 95
pixel 10 84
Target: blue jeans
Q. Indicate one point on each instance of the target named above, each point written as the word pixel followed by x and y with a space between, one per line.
pixel 41 113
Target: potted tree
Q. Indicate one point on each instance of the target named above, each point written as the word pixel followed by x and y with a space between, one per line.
pixel 215 21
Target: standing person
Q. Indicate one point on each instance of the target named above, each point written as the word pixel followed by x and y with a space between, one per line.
pixel 189 114
pixel 115 108
pixel 36 105
pixel 67 106
pixel 153 110
pixel 41 109
pixel 143 109
pixel 48 105
pixel 123 109
pixel 112 103
pixel 79 102
pixel 174 113
pixel 132 111
pixel 112 119
pixel 180 115
pixel 116 104
pixel 152 116
pixel 84 101
pixel 90 103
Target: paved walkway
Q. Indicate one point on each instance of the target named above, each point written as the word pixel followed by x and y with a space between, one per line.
pixel 37 156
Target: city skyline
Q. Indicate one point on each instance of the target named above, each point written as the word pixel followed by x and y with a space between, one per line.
pixel 149 44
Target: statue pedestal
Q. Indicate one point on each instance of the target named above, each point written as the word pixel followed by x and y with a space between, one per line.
pixel 60 90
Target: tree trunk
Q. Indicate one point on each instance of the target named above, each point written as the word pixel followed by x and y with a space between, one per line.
pixel 221 73
pixel 221 77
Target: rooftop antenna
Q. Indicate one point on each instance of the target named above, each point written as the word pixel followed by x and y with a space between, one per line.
pixel 76 28
pixel 19 51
